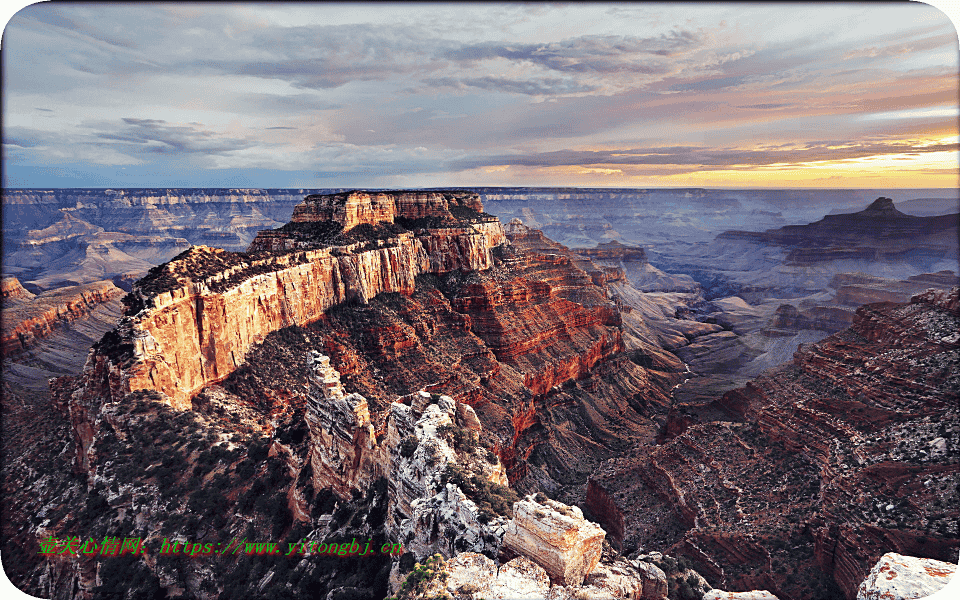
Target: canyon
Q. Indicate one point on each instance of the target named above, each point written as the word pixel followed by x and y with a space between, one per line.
pixel 400 365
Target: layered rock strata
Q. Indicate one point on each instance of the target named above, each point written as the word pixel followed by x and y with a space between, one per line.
pixel 193 320
pixel 354 208
pixel 28 317
pixel 879 232
pixel 555 536
pixel 868 424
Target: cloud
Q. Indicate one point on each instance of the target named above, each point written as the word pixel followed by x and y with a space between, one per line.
pixel 588 53
pixel 545 86
pixel 158 136
pixel 832 150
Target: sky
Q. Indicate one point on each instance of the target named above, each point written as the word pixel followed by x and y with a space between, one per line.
pixel 409 95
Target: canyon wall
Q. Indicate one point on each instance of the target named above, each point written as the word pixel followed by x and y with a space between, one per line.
pixel 823 465
pixel 354 208
pixel 199 332
pixel 28 317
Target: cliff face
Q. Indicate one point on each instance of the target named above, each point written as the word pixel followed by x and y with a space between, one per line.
pixel 498 327
pixel 193 330
pixel 354 208
pixel 223 217
pixel 846 453
pixel 27 318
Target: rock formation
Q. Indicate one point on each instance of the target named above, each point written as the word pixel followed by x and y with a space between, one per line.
pixel 877 231
pixel 555 536
pixel 867 422
pixel 191 321
pixel 898 577
pixel 751 595
pixel 28 317
pixel 471 575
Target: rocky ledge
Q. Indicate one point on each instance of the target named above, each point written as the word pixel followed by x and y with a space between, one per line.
pixel 28 317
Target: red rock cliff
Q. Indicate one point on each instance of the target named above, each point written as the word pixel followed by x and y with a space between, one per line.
pixel 27 317
pixel 192 321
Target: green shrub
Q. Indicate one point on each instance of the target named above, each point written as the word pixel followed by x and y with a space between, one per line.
pixel 409 446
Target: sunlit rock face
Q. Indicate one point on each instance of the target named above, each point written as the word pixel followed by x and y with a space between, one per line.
pixel 472 575
pixel 898 577
pixel 344 451
pixel 193 320
pixel 354 208
pixel 555 536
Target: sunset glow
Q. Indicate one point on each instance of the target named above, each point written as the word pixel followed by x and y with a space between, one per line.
pixel 299 95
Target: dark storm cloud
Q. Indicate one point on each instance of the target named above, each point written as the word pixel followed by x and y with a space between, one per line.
pixel 693 155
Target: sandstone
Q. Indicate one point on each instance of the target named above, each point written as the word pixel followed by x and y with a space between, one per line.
pixel 555 536
pixel 898 577
pixel 865 419
pixel 10 289
pixel 198 332
pixel 355 208
pixel 344 451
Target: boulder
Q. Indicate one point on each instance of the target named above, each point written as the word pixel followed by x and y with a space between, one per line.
pixel 898 577
pixel 555 536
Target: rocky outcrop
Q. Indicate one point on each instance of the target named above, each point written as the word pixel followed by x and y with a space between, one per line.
pixel 28 318
pixel 354 208
pixel 474 575
pixel 555 536
pixel 426 511
pixel 633 579
pixel 344 452
pixel 898 577
pixel 193 320
pixel 12 290
pixel 471 575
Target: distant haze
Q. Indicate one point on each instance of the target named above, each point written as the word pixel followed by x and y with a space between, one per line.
pixel 854 95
